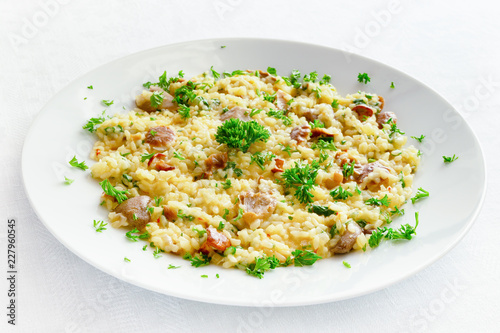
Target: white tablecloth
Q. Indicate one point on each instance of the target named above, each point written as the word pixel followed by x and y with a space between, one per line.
pixel 453 46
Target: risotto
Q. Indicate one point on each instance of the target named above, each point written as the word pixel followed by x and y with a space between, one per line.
pixel 253 170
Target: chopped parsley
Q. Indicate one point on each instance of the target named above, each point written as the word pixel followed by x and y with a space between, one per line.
pixel 325 80
pixel 271 70
pixel 107 102
pixel 335 104
pixel 92 124
pixel 90 87
pixel 134 235
pixel 323 145
pixel 394 128
pixel 301 177
pixel 126 259
pixel 379 202
pixel 286 149
pixel 198 261
pixel 346 264
pixel 392 85
pixel 157 252
pixel 227 184
pixel 170 266
pixel 68 181
pixel 99 226
pixel 269 97
pixel 450 159
pixel 404 232
pixel 184 216
pixel 199 232
pixel 179 156
pixel 262 265
pixel 321 210
pixel 145 157
pixel 348 169
pixel 311 77
pixel 204 276
pixel 419 139
pixel 226 212
pixel 279 114
pixel 421 193
pixel 363 78
pixel 112 191
pixel 340 194
pixel 261 158
pixel 240 134
pixel 232 165
pixel 156 99
pixel 220 226
pixel 215 74
pixel 80 165
pixel 184 111
pixel 304 258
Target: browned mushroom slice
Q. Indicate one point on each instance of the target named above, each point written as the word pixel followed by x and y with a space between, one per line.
pixel 363 172
pixel 279 165
pixel 217 160
pixel 363 111
pixel 348 239
pixel 315 132
pixel 334 180
pixel 300 133
pixel 157 162
pixel 169 213
pixel 136 211
pixel 383 118
pixel 143 101
pixel 266 77
pixel 282 99
pixel 160 137
pixel 382 102
pixel 256 206
pixel 217 240
pixel 236 112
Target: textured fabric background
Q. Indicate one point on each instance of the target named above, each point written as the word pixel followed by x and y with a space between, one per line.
pixel 452 46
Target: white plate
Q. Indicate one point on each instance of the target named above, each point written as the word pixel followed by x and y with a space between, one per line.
pixel 456 190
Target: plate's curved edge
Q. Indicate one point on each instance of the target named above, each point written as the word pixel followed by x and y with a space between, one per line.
pixel 388 283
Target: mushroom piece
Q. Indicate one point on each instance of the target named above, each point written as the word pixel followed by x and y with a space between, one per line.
pixel 256 206
pixel 363 111
pixel 143 101
pixel 300 133
pixel 160 138
pixel 236 112
pixel 348 239
pixel 136 211
pixel 383 118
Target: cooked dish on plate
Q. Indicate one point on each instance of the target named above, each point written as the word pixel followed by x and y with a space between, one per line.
pixel 253 170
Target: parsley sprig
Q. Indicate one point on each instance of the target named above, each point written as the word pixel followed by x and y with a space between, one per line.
pixel 99 226
pixel 302 177
pixel 450 159
pixel 321 210
pixel 379 202
pixel 198 261
pixel 421 193
pixel 80 165
pixel 112 191
pixel 261 158
pixel 134 235
pixel 240 134
pixel 404 232
pixel 363 78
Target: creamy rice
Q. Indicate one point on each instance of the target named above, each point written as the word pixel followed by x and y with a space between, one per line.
pixel 200 198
